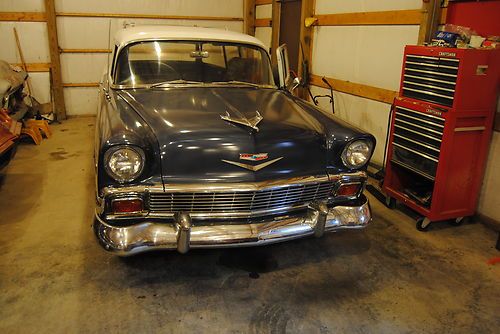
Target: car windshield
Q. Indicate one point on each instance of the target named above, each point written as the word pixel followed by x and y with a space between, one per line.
pixel 157 62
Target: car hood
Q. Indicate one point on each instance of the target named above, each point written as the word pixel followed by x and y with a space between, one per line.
pixel 194 140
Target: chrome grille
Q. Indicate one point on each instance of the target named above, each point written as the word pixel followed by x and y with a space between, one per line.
pixel 243 202
pixel 430 79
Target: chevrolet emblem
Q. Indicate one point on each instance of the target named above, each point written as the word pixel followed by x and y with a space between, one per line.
pixel 253 168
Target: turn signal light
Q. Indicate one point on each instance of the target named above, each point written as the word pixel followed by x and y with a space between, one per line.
pixel 349 190
pixel 121 206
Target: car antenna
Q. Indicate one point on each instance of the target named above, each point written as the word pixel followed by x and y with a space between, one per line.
pixel 109 45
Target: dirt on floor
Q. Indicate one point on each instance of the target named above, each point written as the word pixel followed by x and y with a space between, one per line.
pixel 388 278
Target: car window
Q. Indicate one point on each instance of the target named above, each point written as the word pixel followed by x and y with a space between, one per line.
pixel 161 61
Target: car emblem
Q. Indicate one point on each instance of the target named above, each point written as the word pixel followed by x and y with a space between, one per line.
pixel 253 157
pixel 253 168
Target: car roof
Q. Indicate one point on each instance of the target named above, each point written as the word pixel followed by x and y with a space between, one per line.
pixel 157 32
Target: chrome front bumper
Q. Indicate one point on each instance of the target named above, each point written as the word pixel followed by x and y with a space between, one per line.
pixel 183 235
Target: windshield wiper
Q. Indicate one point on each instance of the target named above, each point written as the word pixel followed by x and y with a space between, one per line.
pixel 178 81
pixel 236 82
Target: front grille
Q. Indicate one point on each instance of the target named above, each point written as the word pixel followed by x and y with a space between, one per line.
pixel 242 202
pixel 430 79
pixel 417 141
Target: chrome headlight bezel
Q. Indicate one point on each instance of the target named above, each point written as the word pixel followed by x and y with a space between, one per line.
pixel 348 151
pixel 112 173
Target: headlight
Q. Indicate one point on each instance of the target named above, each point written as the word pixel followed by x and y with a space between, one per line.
pixel 357 153
pixel 124 163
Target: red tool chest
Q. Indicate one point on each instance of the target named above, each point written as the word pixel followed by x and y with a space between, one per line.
pixel 441 127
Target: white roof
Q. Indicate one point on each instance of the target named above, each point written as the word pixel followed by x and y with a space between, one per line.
pixel 137 33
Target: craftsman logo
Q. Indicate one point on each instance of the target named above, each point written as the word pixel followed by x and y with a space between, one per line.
pixel 253 157
pixel 448 54
pixel 433 112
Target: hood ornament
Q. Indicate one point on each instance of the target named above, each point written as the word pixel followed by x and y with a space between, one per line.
pixel 253 168
pixel 250 122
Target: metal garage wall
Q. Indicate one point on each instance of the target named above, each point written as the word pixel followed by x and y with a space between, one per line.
pixel 92 33
pixel 370 55
pixel 264 33
pixel 33 38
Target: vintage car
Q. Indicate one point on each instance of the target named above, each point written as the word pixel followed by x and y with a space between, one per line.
pixel 199 145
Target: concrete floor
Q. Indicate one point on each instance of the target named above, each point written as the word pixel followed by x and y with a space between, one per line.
pixel 388 278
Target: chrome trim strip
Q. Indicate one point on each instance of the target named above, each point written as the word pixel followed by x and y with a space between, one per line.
pixel 416 152
pixel 148 235
pixel 235 187
pixel 423 57
pixel 428 86
pixel 472 128
pixel 421 120
pixel 428 93
pixel 418 143
pixel 430 72
pixel 421 113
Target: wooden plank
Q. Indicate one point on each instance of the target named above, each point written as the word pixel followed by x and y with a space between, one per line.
pixel 263 2
pixel 81 84
pixel 23 16
pixel 392 17
pixel 430 18
pixel 148 16
pixel 306 43
pixel 249 17
pixel 369 92
pixel 35 67
pixel 275 23
pixel 263 22
pixel 56 75
pixel 85 51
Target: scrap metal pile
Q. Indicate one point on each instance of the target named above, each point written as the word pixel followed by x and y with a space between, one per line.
pixel 20 113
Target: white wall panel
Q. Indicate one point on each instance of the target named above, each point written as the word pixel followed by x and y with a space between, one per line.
pixel 353 6
pixel 92 33
pixel 489 202
pixel 229 8
pixel 22 6
pixel 263 11
pixel 40 83
pixel 371 55
pixel 81 101
pixel 33 38
pixel 265 35
pixel 368 115
pixel 82 67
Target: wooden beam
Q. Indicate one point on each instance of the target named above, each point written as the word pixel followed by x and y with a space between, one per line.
pixel 275 35
pixel 23 16
pixel 81 85
pixel 430 18
pixel 263 22
pixel 84 51
pixel 148 16
pixel 369 92
pixel 392 17
pixel 249 17
pixel 263 2
pixel 56 75
pixel 306 40
pixel 35 67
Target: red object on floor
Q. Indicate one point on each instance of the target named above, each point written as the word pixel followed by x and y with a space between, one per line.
pixel 494 260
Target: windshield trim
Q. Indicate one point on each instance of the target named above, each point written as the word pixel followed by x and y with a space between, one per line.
pixel 120 49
